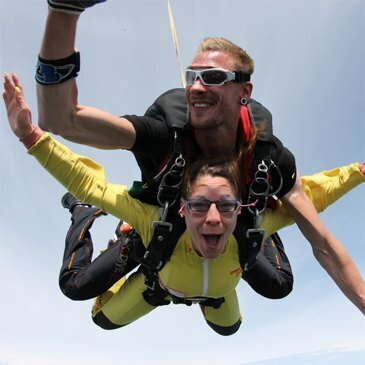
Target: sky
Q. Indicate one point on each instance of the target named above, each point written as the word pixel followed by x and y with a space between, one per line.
pixel 309 71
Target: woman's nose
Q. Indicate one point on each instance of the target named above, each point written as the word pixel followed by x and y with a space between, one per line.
pixel 213 215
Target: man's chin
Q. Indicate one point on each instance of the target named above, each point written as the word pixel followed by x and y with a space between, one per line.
pixel 203 124
pixel 201 118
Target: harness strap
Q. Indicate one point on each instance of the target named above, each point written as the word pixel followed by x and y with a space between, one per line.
pixel 212 302
pixel 153 257
pixel 165 238
pixel 156 295
pixel 167 196
pixel 254 238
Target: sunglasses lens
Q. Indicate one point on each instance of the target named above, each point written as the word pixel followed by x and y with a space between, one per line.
pixel 208 77
pixel 190 76
pixel 214 77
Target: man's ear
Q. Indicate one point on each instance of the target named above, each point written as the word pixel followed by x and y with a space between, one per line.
pixel 181 210
pixel 247 88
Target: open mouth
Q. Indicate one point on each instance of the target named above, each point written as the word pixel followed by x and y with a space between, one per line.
pixel 211 239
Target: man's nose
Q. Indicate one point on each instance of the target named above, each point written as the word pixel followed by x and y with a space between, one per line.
pixel 198 84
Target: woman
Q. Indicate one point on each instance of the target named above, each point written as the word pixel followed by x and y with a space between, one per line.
pixel 205 262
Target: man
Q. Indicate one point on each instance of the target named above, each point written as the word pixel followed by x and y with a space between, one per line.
pixel 214 117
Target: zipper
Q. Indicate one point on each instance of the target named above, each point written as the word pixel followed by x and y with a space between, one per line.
pixel 205 277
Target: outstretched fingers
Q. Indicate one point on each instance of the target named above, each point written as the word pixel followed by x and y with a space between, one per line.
pixel 9 90
pixel 13 91
pixel 17 109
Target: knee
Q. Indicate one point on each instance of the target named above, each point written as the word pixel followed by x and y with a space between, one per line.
pixel 72 291
pixel 276 290
pixel 223 330
pixel 280 288
pixel 67 289
pixel 102 321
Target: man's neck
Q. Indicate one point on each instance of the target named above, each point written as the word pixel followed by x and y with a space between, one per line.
pixel 215 143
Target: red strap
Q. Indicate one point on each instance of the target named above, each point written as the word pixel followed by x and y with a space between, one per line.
pixel 246 123
pixel 247 158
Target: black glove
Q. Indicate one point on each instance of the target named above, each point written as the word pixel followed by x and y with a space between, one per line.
pixel 72 6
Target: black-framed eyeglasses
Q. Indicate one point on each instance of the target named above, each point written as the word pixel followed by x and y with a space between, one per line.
pixel 203 205
pixel 214 76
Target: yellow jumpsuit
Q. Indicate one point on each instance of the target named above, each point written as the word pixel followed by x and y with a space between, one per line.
pixel 186 274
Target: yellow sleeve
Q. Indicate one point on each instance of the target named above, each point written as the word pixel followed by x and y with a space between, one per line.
pixel 86 180
pixel 323 189
pixel 326 187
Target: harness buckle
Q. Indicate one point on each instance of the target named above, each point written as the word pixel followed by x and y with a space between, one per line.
pixel 254 231
pixel 169 188
pixel 260 188
pixel 162 224
pixel 150 283
pixel 158 224
pixel 146 256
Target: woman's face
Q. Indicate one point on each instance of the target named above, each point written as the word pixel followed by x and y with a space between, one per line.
pixel 210 230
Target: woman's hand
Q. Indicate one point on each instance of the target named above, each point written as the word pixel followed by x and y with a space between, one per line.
pixel 19 115
pixel 362 167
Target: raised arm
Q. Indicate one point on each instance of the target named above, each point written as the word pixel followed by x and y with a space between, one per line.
pixel 58 107
pixel 81 176
pixel 329 252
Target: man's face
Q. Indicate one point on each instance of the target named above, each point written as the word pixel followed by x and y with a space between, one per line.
pixel 214 106
pixel 209 231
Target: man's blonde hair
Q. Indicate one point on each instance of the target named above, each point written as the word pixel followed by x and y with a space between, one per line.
pixel 242 61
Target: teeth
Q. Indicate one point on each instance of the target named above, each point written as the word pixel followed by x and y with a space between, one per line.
pixel 201 105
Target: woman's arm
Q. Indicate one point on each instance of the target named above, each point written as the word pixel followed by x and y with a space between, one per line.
pixel 323 189
pixel 326 187
pixel 81 176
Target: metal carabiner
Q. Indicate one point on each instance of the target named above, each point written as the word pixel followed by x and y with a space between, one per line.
pixel 272 193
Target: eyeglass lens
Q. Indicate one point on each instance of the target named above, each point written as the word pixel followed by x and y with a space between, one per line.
pixel 204 205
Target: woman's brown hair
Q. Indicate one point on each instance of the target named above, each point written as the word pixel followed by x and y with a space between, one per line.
pixel 227 168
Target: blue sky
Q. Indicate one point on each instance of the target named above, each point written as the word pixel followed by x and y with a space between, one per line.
pixel 310 73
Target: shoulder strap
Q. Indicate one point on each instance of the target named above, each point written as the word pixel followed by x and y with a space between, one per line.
pixel 261 117
pixel 172 107
pixel 248 239
pixel 158 253
pixel 163 241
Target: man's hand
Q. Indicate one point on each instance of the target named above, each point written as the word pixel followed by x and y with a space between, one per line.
pixel 72 6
